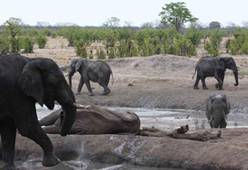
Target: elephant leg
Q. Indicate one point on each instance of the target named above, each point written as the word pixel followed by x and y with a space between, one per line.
pixel 219 77
pixel 204 86
pixel 30 128
pixel 8 136
pixel 105 87
pixel 80 85
pixel 223 124
pixel 87 82
pixel 196 82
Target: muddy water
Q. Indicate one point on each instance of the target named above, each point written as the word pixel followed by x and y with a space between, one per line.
pixel 165 119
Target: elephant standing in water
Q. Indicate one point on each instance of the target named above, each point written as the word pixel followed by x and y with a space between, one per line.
pixel 96 71
pixel 25 81
pixel 215 67
pixel 217 110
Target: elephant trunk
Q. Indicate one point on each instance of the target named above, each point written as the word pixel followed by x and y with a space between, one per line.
pixel 68 120
pixel 235 73
pixel 66 99
pixel 71 72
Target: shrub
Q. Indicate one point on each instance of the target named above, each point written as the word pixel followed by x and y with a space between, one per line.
pixel 81 49
pixel 41 41
pixel 27 45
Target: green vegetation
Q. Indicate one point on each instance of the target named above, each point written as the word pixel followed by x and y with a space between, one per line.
pixel 176 14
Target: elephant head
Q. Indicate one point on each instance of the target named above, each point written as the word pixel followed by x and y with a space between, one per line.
pixel 42 80
pixel 217 109
pixel 229 63
pixel 76 65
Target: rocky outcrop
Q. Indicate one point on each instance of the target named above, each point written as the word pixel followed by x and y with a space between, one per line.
pixel 229 153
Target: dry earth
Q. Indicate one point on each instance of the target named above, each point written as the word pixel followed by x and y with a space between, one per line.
pixel 163 81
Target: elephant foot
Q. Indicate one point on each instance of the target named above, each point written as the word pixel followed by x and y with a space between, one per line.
pixel 91 94
pixel 196 88
pixel 106 92
pixel 8 167
pixel 217 86
pixel 50 160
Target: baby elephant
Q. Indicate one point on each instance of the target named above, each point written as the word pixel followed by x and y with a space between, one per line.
pixel 96 71
pixel 217 109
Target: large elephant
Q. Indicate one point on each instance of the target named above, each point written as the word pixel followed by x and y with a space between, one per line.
pixel 94 120
pixel 96 71
pixel 214 67
pixel 217 110
pixel 25 81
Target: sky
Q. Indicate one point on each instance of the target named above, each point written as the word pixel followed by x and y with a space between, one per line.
pixel 136 12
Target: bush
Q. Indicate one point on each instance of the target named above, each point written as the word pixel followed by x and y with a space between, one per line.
pixel 101 54
pixel 214 42
pixel 4 45
pixel 27 45
pixel 41 41
pixel 81 49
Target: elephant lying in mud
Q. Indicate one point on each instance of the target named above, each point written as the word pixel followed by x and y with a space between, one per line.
pixel 94 120
pixel 214 67
pixel 217 110
pixel 96 71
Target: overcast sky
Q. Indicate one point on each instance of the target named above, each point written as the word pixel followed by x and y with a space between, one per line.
pixel 95 12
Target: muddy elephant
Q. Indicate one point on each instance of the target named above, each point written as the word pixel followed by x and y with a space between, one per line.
pixel 24 82
pixel 215 67
pixel 96 71
pixel 217 110
pixel 94 120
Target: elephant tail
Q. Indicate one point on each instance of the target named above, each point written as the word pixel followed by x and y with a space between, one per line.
pixel 194 74
pixel 112 78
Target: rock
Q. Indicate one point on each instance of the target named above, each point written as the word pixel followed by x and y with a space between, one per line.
pixel 229 152
pixel 94 120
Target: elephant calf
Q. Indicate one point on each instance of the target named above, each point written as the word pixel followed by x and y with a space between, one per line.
pixel 96 71
pixel 217 110
pixel 94 120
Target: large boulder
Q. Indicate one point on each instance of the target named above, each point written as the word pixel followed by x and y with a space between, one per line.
pixel 94 120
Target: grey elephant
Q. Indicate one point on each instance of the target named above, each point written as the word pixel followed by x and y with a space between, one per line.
pixel 93 120
pixel 214 67
pixel 96 71
pixel 24 82
pixel 217 110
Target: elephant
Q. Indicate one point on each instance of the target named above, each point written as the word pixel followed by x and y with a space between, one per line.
pixel 214 67
pixel 218 107
pixel 96 71
pixel 93 120
pixel 25 82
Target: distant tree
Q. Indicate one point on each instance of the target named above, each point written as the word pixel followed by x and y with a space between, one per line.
pixel 13 28
pixel 147 25
pixel 112 22
pixel 127 24
pixel 176 14
pixel 214 25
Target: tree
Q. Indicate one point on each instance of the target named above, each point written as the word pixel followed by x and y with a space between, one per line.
pixel 176 14
pixel 13 28
pixel 214 25
pixel 112 22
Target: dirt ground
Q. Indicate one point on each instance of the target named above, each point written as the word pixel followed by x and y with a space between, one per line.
pixel 162 81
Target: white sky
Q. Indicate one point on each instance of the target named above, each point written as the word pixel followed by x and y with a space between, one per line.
pixel 95 12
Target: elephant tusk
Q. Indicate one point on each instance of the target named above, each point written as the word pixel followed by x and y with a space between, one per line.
pixel 80 106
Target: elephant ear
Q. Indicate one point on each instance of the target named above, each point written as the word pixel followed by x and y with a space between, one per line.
pixel 78 65
pixel 31 83
pixel 228 107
